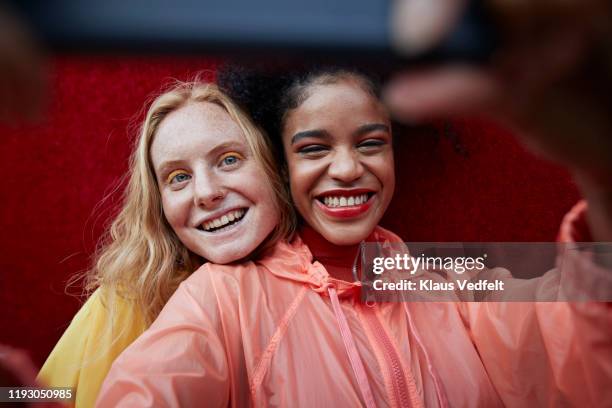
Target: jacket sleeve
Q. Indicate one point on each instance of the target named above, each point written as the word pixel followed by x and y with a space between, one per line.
pixel 179 361
pixel 548 353
pixel 83 355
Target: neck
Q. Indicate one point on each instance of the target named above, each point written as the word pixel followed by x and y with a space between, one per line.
pixel 338 260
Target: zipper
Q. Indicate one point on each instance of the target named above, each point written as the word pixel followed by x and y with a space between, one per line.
pixel 394 366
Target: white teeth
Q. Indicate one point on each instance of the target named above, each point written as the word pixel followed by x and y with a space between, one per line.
pixel 223 220
pixel 345 201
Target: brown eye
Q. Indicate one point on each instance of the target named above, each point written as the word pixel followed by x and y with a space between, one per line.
pixel 371 143
pixel 313 150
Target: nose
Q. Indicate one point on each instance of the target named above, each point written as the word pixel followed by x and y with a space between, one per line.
pixel 346 166
pixel 208 192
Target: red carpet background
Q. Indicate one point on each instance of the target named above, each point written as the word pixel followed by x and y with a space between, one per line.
pixel 56 174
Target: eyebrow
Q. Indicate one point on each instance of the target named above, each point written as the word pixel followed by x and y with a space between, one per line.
pixel 372 127
pixel 322 134
pixel 316 133
pixel 229 145
pixel 166 165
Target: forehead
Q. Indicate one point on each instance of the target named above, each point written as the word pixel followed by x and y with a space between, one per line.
pixel 338 105
pixel 196 127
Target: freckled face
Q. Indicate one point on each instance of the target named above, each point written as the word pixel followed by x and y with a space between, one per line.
pixel 340 161
pixel 214 193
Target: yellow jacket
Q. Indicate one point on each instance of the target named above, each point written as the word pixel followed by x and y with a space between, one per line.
pixel 86 351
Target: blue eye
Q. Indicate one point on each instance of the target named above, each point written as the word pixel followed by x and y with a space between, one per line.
pixel 177 176
pixel 180 177
pixel 231 159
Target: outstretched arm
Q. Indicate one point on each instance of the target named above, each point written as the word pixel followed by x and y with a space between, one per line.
pixel 179 361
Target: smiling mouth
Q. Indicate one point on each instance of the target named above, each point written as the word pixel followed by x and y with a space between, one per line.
pixel 224 222
pixel 336 201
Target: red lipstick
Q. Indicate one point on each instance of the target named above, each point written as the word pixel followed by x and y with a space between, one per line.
pixel 346 211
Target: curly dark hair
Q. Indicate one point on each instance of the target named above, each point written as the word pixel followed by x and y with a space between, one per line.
pixel 269 94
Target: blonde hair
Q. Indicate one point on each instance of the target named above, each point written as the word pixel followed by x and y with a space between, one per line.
pixel 141 260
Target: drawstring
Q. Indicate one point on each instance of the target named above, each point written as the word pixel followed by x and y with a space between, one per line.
pixel 351 350
pixel 264 363
pixel 442 400
pixel 354 269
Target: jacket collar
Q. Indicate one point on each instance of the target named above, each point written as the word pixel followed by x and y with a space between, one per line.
pixel 293 261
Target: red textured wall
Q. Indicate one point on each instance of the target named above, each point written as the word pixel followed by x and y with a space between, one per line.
pixel 56 172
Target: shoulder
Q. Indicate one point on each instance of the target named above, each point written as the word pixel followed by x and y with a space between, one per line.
pixel 92 321
pixel 209 276
pixel 91 314
pixel 227 284
pixel 204 274
pixel 105 305
pixel 207 292
pixel 282 256
pixel 90 344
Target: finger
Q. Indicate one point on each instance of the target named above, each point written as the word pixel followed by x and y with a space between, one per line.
pixel 418 25
pixel 442 93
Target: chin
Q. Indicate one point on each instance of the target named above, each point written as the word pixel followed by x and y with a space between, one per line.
pixel 346 236
pixel 226 257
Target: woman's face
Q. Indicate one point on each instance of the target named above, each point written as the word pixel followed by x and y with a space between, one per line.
pixel 340 160
pixel 215 195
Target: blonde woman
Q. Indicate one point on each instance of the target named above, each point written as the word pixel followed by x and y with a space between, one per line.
pixel 203 186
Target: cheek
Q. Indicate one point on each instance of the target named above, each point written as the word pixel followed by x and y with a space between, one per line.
pixel 384 169
pixel 385 172
pixel 269 214
pixel 303 176
pixel 390 175
pixel 174 210
pixel 257 188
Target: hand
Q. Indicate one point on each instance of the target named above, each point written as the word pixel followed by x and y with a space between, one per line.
pixel 551 79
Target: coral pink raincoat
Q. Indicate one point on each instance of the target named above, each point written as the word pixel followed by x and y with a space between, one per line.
pixel 281 332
